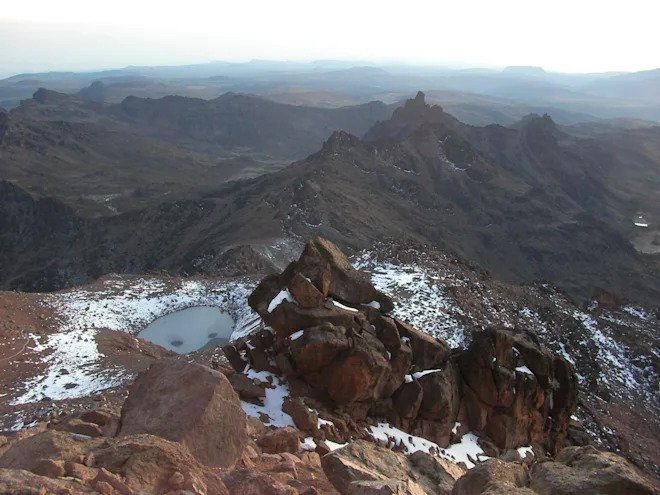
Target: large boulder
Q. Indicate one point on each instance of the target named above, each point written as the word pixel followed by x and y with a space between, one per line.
pixel 317 347
pixel 429 352
pixel 588 471
pixel 321 272
pixel 19 481
pixel 494 476
pixel 190 404
pixel 361 373
pixel 332 273
pixel 150 465
pixel 50 444
pixel 362 467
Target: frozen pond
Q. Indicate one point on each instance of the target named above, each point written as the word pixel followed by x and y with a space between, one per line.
pixel 190 329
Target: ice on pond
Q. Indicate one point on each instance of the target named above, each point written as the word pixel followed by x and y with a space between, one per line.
pixel 190 329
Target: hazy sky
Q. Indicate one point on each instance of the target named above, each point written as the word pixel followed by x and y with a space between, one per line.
pixel 564 35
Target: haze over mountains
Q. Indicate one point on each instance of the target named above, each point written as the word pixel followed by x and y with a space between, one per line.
pixel 475 96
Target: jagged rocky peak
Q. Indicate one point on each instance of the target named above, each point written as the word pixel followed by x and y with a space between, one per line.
pixel 46 96
pixel 339 140
pixel 408 117
pixel 334 331
pixel 536 123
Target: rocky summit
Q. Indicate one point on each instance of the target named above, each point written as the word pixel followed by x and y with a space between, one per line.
pixel 330 393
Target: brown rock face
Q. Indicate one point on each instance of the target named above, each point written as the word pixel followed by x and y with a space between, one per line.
pixel 280 440
pixel 587 471
pixel 51 444
pixel 332 273
pixel 304 291
pixel 362 467
pixel 18 481
pixel 149 462
pixel 493 476
pixel 407 399
pixel 429 352
pixel 318 346
pixel 512 387
pixel 323 267
pixel 303 417
pixel 187 403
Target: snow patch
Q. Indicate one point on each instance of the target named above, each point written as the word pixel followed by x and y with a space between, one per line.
pixel 284 295
pixel 467 450
pixel 524 369
pixel 343 306
pixel 271 410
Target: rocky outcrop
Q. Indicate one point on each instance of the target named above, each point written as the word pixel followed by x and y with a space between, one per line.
pixel 515 391
pixel 492 477
pixel 156 465
pixel 190 404
pixel 576 470
pixel 362 467
pixel 333 331
pixel 588 471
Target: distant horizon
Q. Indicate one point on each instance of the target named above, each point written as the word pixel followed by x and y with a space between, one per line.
pixel 347 63
pixel 568 37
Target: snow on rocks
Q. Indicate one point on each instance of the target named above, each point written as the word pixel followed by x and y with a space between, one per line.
pixel 270 412
pixel 525 370
pixel 284 295
pixel 130 303
pixel 70 362
pixel 467 450
pixel 73 368
pixel 612 355
pixel 419 296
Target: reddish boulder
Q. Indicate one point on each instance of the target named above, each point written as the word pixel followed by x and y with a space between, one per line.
pixel 585 470
pixel 494 476
pixel 148 464
pixel 441 394
pixel 429 353
pixel 303 417
pixel 317 346
pixel 360 374
pixel 332 273
pixel 18 481
pixel 280 440
pixel 187 403
pixel 50 444
pixel 246 388
pixel 304 292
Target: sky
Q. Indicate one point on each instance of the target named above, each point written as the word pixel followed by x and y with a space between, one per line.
pixel 563 35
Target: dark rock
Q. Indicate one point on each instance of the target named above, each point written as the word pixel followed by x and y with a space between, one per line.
pixel 407 399
pixel 428 353
pixel 303 417
pixel 318 346
pixel 235 359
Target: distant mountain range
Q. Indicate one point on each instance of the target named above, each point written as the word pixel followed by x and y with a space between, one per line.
pixel 103 158
pixel 491 96
pixel 536 201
